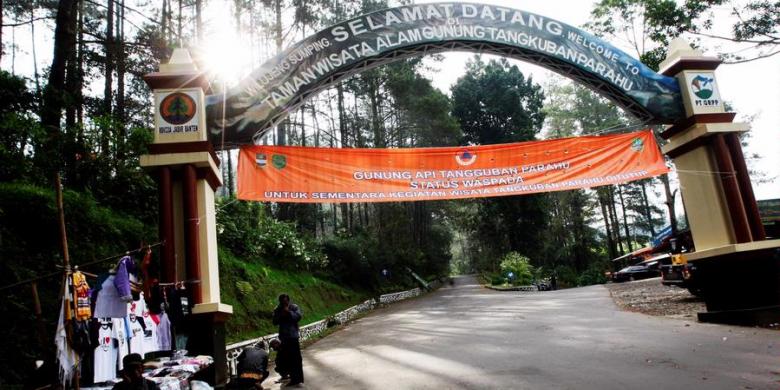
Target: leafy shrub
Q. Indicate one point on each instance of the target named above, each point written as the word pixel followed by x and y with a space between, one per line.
pixel 594 274
pixel 566 277
pixel 520 266
pixel 247 231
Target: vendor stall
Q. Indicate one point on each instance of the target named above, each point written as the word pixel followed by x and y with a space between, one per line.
pixel 169 373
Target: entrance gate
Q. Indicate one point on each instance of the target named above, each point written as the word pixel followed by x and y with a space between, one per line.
pixel 701 135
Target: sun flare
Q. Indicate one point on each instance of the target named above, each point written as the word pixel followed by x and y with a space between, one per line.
pixel 224 53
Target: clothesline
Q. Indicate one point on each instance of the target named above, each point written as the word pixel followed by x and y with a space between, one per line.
pixel 37 278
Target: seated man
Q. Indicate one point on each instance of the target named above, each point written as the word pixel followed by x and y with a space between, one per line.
pixel 276 345
pixel 132 375
pixel 252 366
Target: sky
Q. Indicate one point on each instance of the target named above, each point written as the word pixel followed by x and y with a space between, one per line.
pixel 752 88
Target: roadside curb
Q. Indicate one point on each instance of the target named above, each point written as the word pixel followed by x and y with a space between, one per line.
pixel 515 288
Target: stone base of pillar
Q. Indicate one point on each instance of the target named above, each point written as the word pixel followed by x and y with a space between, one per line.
pixel 207 337
pixel 741 287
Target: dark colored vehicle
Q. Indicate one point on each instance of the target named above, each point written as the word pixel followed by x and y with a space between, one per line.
pixel 636 272
pixel 649 268
pixel 680 274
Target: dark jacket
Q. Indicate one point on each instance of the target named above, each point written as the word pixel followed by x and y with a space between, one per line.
pixel 288 321
pixel 253 360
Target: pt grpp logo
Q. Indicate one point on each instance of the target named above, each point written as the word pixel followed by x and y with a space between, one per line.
pixel 465 158
pixel 703 87
pixel 178 108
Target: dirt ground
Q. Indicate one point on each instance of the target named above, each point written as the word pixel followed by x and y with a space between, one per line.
pixel 649 296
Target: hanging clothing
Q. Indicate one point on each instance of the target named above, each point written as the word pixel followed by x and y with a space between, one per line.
pixel 81 293
pixel 109 304
pixel 121 333
pixel 150 327
pixel 136 332
pixel 105 352
pixel 164 333
pixel 124 269
pixel 150 334
pixel 66 357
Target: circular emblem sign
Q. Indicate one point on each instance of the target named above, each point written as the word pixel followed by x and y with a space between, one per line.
pixel 177 108
pixel 465 158
pixel 702 86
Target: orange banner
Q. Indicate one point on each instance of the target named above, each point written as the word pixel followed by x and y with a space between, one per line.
pixel 323 175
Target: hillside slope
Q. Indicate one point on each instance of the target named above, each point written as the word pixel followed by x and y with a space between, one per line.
pixel 253 287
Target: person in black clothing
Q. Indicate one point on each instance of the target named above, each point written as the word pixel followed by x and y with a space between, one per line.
pixel 132 375
pixel 287 316
pixel 252 368
pixel 276 345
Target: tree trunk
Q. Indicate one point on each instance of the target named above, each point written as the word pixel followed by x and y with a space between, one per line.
pixel 670 203
pixel 199 20
pixel 625 219
pixel 345 208
pixel 613 215
pixel 180 37
pixel 1 31
pixel 108 86
pixel 72 79
pixel 34 52
pixel 376 120
pixel 281 131
pixel 51 111
pixel 120 80
pixel 648 213
pixel 80 97
pixel 605 215
pixel 164 23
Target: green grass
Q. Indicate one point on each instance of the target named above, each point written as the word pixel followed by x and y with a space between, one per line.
pixel 252 288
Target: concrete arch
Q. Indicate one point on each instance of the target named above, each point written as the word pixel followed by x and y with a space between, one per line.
pixel 283 83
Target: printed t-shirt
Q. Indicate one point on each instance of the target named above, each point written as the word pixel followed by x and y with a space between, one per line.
pixel 105 353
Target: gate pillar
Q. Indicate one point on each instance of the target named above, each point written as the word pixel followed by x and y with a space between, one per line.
pixel 737 268
pixel 186 168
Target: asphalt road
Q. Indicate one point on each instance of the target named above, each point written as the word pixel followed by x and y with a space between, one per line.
pixel 468 337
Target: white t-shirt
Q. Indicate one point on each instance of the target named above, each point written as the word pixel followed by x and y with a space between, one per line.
pixel 150 335
pixel 120 333
pixel 136 331
pixel 105 353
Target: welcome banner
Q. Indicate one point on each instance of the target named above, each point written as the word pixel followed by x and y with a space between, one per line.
pixel 323 175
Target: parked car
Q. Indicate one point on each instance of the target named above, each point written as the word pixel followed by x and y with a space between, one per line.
pixel 649 268
pixel 635 272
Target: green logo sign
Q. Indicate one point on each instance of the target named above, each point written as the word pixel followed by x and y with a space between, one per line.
pixel 703 86
pixel 177 108
pixel 637 145
pixel 279 161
